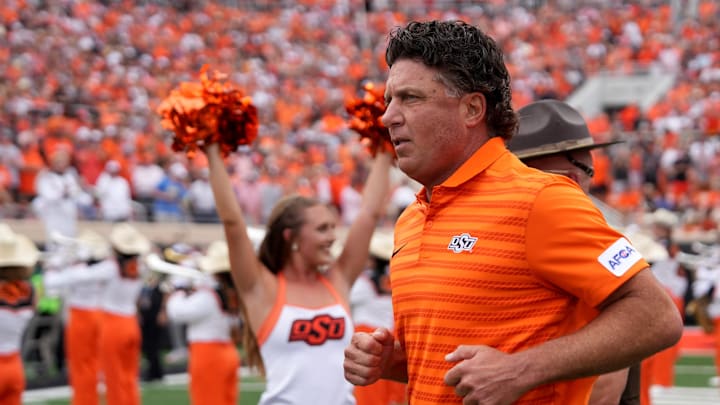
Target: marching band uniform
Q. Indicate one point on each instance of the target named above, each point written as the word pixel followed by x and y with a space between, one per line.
pixel 16 310
pixel 659 369
pixel 707 288
pixel 120 332
pixel 82 287
pixel 210 314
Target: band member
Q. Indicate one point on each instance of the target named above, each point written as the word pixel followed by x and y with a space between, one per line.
pixel 81 277
pixel 18 256
pixel 210 310
pixel 120 333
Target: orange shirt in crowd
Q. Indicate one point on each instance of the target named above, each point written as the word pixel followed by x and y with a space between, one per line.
pixel 5 177
pixel 51 144
pixel 32 164
pixel 599 127
pixel 494 260
pixel 626 201
pixel 602 166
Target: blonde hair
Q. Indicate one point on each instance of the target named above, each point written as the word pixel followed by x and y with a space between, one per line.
pixel 250 344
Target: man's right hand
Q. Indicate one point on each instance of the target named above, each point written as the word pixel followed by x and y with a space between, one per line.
pixel 367 356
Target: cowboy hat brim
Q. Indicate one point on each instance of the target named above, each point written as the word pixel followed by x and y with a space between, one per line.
pixel 562 147
pixel 548 127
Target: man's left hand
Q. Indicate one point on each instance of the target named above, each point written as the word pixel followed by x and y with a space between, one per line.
pixel 485 376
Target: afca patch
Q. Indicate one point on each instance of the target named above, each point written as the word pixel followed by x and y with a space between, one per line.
pixel 619 257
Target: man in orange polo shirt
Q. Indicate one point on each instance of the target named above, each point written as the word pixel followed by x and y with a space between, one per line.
pixel 508 285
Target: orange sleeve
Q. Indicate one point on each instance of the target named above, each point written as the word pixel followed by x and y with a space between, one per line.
pixel 571 246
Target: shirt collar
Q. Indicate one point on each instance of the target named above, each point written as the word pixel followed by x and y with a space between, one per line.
pixel 486 155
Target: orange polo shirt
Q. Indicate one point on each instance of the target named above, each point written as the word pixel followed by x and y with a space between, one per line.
pixel 505 256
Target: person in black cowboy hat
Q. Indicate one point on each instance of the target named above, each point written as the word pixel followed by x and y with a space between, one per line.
pixel 553 137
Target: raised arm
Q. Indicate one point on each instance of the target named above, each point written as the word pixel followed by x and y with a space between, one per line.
pixel 182 307
pixel 354 255
pixel 246 269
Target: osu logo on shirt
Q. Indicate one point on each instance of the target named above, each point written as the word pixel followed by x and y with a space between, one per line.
pixel 460 243
pixel 318 330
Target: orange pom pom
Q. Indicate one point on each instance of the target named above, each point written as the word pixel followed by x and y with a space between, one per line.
pixel 208 112
pixel 365 116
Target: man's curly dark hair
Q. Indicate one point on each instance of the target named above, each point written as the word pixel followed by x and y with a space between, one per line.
pixel 468 61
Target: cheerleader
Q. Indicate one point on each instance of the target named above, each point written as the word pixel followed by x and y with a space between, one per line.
pixel 18 256
pixel 209 310
pixel 120 331
pixel 82 285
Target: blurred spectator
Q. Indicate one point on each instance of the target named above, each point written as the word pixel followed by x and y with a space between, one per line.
pixel 146 176
pixel 271 191
pixel 351 199
pixel 5 192
pixel 402 196
pixel 249 195
pixel 113 194
pixel 10 161
pixel 170 194
pixel 321 181
pixel 93 87
pixel 58 194
pixel 200 198
pixel 32 163
pixel 89 157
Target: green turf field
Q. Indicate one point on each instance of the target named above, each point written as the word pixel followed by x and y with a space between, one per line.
pixel 691 371
pixel 177 394
pixel 694 371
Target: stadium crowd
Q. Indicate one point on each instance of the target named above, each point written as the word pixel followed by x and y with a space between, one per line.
pixel 85 77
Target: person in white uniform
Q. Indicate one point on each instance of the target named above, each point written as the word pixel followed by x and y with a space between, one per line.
pixel 82 285
pixel 120 331
pixel 210 310
pixel 113 194
pixel 296 292
pixel 58 195
pixel 18 256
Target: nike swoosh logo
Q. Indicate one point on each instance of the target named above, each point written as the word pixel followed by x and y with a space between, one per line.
pixel 398 249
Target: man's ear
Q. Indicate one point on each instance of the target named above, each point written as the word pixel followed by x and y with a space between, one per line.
pixel 475 108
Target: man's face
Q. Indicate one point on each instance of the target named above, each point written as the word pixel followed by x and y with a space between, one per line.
pixel 59 161
pixel 425 122
pixel 560 164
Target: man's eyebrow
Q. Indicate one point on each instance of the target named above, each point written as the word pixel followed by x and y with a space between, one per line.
pixel 403 92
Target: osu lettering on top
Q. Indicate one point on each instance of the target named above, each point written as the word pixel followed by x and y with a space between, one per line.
pixel 317 330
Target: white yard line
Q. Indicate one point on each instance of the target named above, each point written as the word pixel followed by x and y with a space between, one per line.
pixel 40 395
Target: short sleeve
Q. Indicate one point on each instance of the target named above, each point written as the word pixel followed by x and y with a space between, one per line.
pixel 571 246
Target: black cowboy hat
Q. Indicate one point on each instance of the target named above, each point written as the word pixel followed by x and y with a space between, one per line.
pixel 547 127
